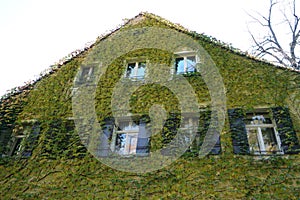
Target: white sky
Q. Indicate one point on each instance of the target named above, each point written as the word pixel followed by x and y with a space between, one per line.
pixel 35 34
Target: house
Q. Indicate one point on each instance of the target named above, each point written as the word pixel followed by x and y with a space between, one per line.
pixel 164 113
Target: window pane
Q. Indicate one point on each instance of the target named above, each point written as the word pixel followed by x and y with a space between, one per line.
pixel 126 139
pixel 132 142
pixel 123 126
pixel 269 138
pixel 17 148
pixel 85 73
pixel 126 143
pixel 120 143
pixel 130 70
pixel 259 118
pixel 188 128
pixel 191 64
pixel 179 65
pixel 141 70
pixel 253 140
pixel 134 127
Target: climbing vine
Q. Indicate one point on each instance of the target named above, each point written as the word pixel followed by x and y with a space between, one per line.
pixel 60 166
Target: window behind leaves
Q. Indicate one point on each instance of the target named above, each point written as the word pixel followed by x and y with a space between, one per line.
pixel 86 73
pixel 24 139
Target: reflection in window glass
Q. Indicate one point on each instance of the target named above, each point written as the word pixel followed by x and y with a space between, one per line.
pixel 191 64
pixel 126 143
pixel 179 62
pixel 130 70
pixel 253 140
pixel 126 138
pixel 120 142
pixel 136 70
pixel 269 139
pixel 188 127
pixel 132 144
pixel 141 70
pixel 262 135
pixel 185 64
pixel 17 148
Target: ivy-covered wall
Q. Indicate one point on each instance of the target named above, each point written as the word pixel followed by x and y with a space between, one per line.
pixel 61 168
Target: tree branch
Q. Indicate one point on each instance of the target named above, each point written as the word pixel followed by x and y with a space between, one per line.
pixel 270 44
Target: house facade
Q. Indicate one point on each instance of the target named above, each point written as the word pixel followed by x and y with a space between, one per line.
pixel 234 134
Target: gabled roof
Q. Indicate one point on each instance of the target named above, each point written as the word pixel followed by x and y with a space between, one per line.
pixel 135 20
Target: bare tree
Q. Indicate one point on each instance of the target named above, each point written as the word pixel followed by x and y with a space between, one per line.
pixel 280 42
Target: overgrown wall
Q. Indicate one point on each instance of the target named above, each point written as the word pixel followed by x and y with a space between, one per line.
pixel 61 168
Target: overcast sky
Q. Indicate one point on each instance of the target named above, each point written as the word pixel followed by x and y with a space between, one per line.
pixel 35 34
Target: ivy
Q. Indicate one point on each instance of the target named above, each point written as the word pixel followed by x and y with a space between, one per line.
pixel 62 168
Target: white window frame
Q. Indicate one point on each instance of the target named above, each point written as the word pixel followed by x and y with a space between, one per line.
pixel 131 132
pixel 135 69
pixel 259 136
pixel 185 55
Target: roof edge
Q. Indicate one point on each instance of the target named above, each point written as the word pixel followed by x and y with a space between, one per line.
pixel 52 68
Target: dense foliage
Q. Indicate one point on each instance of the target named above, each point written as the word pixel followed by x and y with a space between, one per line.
pixel 61 168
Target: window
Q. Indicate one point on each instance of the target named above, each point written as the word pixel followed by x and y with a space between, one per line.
pixel 185 62
pixel 124 137
pixel 16 148
pixel 189 125
pixel 24 140
pixel 263 131
pixel 136 70
pixel 262 135
pixel 86 73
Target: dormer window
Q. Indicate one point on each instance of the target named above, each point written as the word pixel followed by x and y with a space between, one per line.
pixel 185 62
pixel 136 70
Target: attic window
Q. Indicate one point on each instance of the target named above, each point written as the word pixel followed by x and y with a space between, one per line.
pixel 16 148
pixel 185 62
pixel 23 142
pixel 136 70
pixel 86 73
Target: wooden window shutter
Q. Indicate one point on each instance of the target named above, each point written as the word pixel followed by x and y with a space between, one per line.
pixel 238 131
pixel 105 138
pixel 205 120
pixel 31 141
pixel 288 137
pixel 143 138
